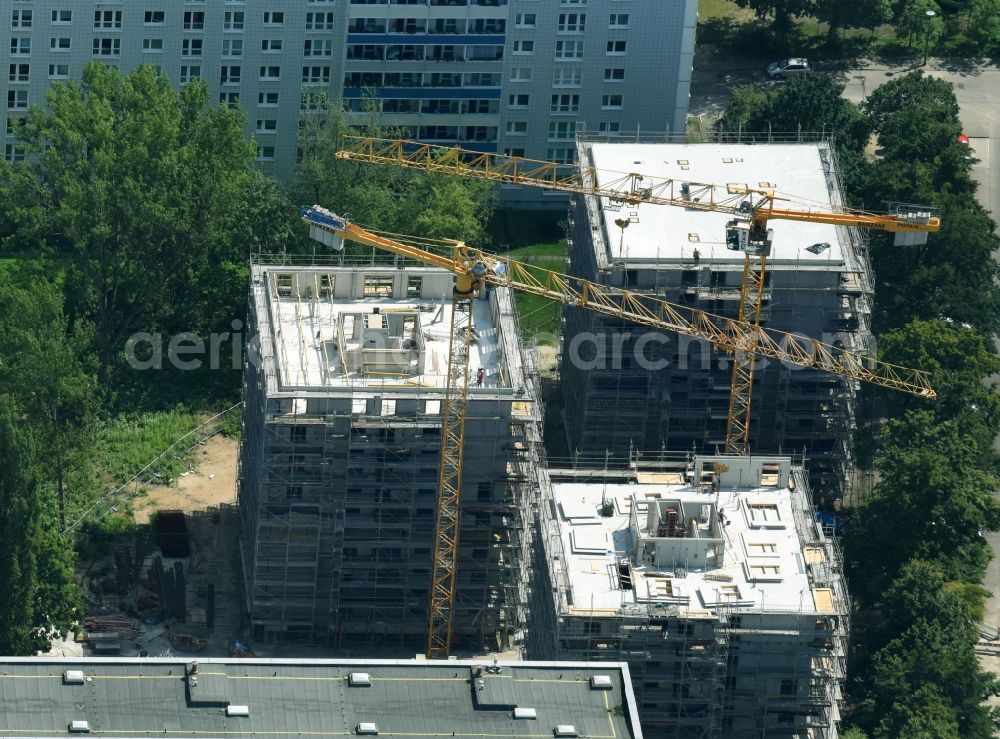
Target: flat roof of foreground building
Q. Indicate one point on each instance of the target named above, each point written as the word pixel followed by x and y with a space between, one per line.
pixel 124 697
pixel 377 329
pixel 663 233
pixel 688 543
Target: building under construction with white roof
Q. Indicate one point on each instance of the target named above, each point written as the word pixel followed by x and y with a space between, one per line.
pixel 714 582
pixel 341 451
pixel 633 390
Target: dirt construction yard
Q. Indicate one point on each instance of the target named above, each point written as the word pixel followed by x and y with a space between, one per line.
pixel 210 481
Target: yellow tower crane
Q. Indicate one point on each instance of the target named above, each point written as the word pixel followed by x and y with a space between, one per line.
pixel 747 231
pixel 474 269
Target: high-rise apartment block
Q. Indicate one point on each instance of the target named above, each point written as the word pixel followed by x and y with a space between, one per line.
pixel 517 76
pixel 713 581
pixel 637 390
pixel 341 450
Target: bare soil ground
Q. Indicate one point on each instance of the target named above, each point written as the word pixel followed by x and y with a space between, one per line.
pixel 211 482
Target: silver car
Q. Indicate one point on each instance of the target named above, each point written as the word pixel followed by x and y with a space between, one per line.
pixel 787 68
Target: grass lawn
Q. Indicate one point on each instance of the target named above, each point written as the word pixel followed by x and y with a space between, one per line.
pixel 539 315
pixel 129 443
pixel 723 9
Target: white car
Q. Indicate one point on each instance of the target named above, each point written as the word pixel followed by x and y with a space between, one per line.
pixel 786 68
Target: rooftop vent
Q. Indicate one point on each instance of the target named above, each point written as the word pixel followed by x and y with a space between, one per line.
pixel 233 711
pixel 73 677
pixel 367 728
pixel 565 730
pixel 600 682
pixel 79 727
pixel 359 680
pixel 525 713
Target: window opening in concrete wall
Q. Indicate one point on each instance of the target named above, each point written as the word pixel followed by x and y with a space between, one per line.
pixel 377 286
pixel 284 285
pixel 414 286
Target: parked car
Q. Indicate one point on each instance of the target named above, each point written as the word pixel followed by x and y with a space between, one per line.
pixel 787 68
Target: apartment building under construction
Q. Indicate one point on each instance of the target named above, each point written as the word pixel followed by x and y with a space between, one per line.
pixel 340 457
pixel 713 581
pixel 637 390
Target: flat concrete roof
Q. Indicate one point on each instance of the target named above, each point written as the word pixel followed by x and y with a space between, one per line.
pixel 758 566
pixel 663 232
pixel 407 699
pixel 306 356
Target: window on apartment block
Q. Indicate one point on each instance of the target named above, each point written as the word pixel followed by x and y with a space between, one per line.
pixel 616 48
pixel 618 20
pixel 20 18
pixel 315 75
pixel 572 23
pixel 274 18
pixel 17 99
pixel 105 19
pixel 230 99
pixel 609 127
pixel 62 17
pixel 564 103
pixel 270 46
pixel 20 46
pixel 194 20
pixel 567 77
pixel 560 155
pixel 319 21
pixel 232 47
pixel 270 73
pixel 154 17
pixel 614 74
pixel 191 46
pixel 524 20
pixel 61 43
pixel 191 72
pixel 524 47
pixel 58 71
pixel 517 128
pixel 266 154
pixel 267 99
pixel 611 102
pixel 520 74
pixel 19 72
pixel 230 74
pixel 13 153
pixel 233 20
pixel 317 47
pixel 266 125
pixel 562 130
pixel 152 44
pixel 569 49
pixel 107 46
pixel 518 101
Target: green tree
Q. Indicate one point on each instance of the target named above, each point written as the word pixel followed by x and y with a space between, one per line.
pixel 744 102
pixel 425 204
pixel 935 97
pixel 143 191
pixel 912 21
pixel 984 25
pixel 807 103
pixel 925 678
pixel 19 510
pixel 932 503
pixel 952 276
